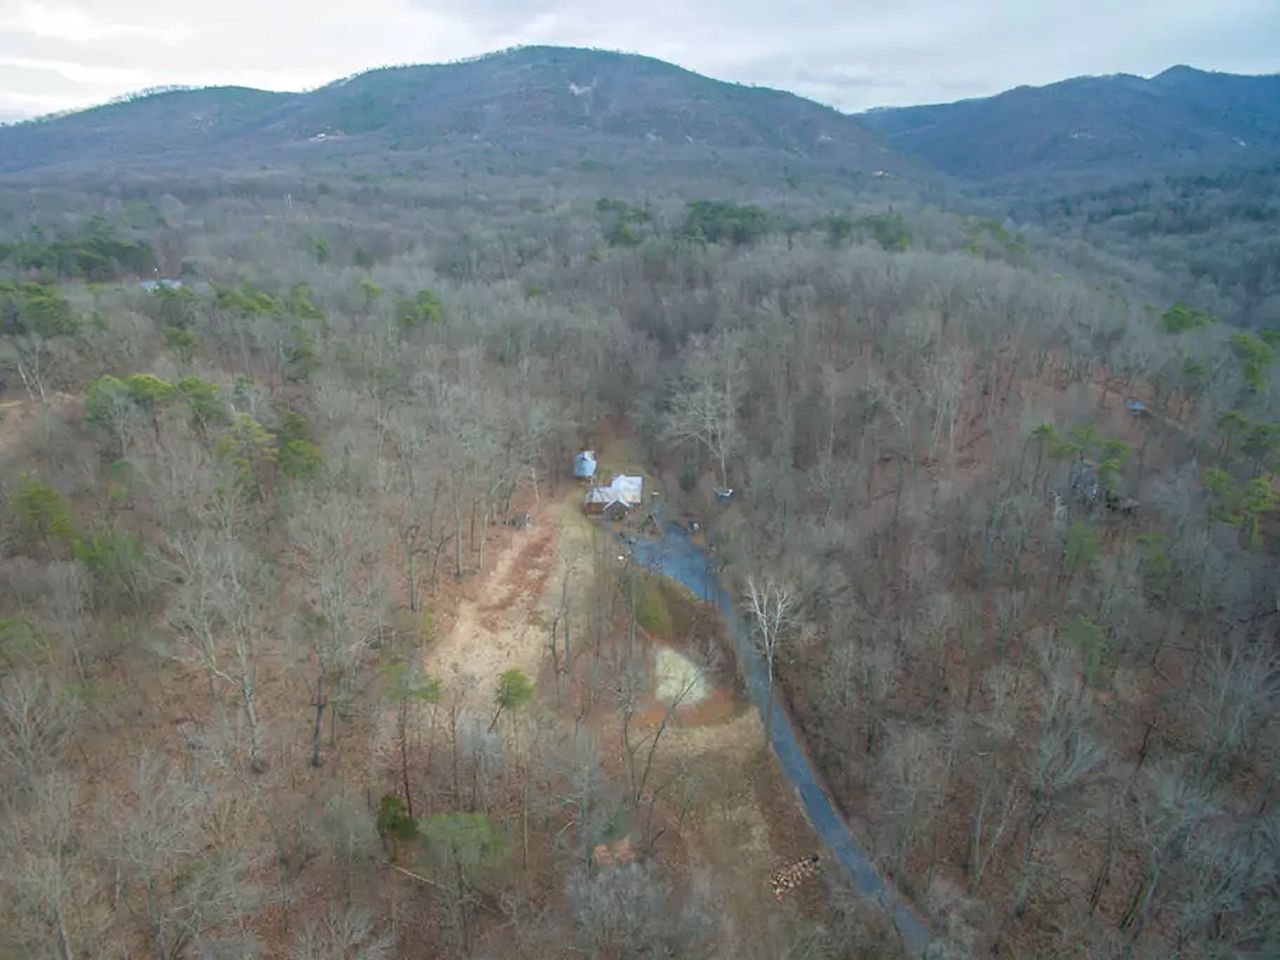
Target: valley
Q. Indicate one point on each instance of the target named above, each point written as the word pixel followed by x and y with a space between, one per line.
pixel 952 562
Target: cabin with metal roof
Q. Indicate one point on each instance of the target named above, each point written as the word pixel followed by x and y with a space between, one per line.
pixel 616 499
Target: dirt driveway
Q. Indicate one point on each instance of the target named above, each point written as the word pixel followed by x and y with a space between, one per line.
pixel 745 819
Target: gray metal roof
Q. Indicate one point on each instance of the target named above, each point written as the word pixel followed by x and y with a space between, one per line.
pixel 629 491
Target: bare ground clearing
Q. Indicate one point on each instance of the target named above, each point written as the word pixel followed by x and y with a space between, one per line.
pixel 736 818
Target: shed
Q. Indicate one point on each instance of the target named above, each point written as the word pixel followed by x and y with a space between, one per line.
pixel 584 465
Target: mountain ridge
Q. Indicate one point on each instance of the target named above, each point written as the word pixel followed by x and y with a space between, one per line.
pixel 565 106
pixel 548 100
pixel 1179 116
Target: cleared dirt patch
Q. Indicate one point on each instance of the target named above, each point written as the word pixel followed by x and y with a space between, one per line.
pixel 497 626
pixel 675 674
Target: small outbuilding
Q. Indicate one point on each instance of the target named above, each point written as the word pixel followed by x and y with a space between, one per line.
pixel 584 465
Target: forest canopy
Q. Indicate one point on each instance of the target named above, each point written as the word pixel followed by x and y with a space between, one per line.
pixel 309 647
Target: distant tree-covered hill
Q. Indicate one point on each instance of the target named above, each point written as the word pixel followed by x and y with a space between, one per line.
pixel 1091 125
pixel 1211 234
pixel 555 104
pixel 1174 173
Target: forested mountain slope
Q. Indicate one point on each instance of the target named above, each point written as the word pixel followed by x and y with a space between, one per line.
pixel 1120 124
pixel 554 105
pixel 1208 238
pixel 279 674
pixel 1173 177
pixel 188 121
pixel 308 647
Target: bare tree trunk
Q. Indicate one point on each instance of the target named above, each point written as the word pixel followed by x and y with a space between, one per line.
pixel 1141 909
pixel 1028 859
pixel 457 538
pixel 256 763
pixel 404 755
pixel 1103 876
pixel 411 558
pixel 524 818
pixel 64 943
pixel 334 703
pixel 553 647
pixel 453 751
pixel 319 703
pixel 979 853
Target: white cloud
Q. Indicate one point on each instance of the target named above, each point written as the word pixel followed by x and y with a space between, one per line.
pixel 72 21
pixel 17 105
pixel 86 73
pixel 849 53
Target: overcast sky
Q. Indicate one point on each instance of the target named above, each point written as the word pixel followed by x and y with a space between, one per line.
pixel 852 54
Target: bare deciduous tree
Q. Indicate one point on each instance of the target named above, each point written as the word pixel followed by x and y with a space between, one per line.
pixel 1169 813
pixel 625 911
pixel 1064 757
pixel 181 889
pixel 910 787
pixel 419 482
pixel 772 606
pixel 337 554
pixel 640 752
pixel 996 786
pixel 704 408
pixel 217 613
pixel 46 884
pixel 1234 695
pixel 348 831
pixel 37 718
pixel 348 934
